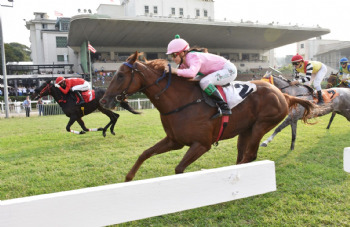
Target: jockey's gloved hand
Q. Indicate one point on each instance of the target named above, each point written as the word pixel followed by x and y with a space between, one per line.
pixel 57 85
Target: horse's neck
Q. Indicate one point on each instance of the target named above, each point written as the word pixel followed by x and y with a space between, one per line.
pixel 179 93
pixel 56 94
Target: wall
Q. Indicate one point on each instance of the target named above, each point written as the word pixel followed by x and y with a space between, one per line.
pixel 111 10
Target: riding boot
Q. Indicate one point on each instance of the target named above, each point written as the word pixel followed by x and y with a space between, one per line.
pixel 80 97
pixel 224 109
pixel 320 98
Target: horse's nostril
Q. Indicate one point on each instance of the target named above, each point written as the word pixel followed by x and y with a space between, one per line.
pixel 103 101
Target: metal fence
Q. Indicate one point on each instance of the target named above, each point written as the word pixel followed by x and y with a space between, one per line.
pixel 17 108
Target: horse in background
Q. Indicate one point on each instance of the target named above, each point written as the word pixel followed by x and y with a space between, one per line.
pixel 340 104
pixel 334 81
pixel 74 112
pixel 191 125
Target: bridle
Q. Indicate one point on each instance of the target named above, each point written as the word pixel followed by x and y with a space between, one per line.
pixel 125 95
pixel 47 87
pixel 336 81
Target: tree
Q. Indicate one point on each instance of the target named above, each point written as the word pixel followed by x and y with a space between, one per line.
pixel 287 69
pixel 15 52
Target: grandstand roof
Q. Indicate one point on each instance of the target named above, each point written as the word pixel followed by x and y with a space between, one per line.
pixel 105 31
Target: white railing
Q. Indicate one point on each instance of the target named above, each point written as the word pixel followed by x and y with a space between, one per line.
pixel 123 202
pixel 17 108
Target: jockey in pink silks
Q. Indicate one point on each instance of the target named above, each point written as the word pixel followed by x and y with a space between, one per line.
pixel 196 61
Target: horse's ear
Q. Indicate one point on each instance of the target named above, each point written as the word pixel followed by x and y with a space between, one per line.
pixel 134 57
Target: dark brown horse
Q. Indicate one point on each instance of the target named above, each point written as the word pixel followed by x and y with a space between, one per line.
pixel 260 112
pixel 334 81
pixel 74 112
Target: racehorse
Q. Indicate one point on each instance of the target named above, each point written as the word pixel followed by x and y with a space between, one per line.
pixel 190 125
pixel 74 112
pixel 334 81
pixel 340 104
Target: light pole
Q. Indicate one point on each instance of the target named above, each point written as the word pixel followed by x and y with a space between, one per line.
pixel 3 62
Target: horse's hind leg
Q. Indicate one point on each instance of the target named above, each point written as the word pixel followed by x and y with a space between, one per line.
pixel 285 123
pixel 252 151
pixel 331 119
pixel 243 144
pixel 294 126
pixel 162 146
pixel 112 120
pixel 196 150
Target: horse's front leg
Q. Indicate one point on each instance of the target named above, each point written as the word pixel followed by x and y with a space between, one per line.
pixel 82 124
pixel 162 146
pixel 196 150
pixel 71 121
pixel 285 123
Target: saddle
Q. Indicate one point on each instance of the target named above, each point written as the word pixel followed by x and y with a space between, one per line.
pixel 88 96
pixel 327 94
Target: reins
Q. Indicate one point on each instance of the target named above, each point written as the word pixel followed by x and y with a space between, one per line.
pixel 124 94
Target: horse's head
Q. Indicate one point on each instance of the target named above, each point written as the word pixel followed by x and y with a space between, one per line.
pixel 333 80
pixel 128 79
pixel 43 90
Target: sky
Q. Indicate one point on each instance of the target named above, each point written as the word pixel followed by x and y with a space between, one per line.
pixel 310 12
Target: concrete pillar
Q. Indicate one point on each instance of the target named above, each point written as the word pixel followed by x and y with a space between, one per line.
pixel 240 56
pixel 112 55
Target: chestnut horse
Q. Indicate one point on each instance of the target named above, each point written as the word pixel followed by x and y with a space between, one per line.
pixel 190 125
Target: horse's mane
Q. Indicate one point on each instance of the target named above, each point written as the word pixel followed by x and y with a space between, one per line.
pixel 157 64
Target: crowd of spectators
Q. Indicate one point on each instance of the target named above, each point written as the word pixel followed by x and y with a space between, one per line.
pixel 21 91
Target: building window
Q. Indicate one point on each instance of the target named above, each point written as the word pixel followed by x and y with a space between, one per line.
pixel 44 26
pixel 181 10
pixel 227 56
pixel 123 56
pixel 302 45
pixel 61 41
pixel 64 26
pixel 152 56
pixel 205 13
pixel 146 10
pixel 61 57
pixel 173 11
pixel 198 13
pixel 155 10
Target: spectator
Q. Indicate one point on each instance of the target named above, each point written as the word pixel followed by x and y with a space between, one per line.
pixel 26 105
pixel 0 92
pixel 40 107
pixel 24 91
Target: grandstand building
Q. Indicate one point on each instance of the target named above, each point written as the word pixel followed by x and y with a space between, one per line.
pixel 117 31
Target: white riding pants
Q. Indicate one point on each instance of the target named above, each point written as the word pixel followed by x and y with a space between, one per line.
pixel 319 77
pixel 227 74
pixel 82 87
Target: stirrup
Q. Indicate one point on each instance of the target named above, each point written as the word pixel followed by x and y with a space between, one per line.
pixel 218 114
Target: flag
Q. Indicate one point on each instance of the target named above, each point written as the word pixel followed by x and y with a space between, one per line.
pixel 112 1
pixel 58 14
pixel 91 48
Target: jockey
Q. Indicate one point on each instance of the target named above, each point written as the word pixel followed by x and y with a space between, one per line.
pixel 344 69
pixel 197 61
pixel 315 72
pixel 74 84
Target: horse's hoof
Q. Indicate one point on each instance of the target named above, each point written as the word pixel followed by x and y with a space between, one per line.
pixel 113 133
pixel 104 134
pixel 263 145
pixel 82 132
pixel 100 129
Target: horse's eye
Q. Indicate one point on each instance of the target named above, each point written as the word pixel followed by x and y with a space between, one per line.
pixel 120 75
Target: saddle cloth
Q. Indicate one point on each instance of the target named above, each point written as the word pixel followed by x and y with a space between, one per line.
pixel 237 91
pixel 88 95
pixel 328 95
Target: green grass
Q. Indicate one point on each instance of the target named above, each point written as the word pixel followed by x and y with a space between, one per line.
pixel 38 156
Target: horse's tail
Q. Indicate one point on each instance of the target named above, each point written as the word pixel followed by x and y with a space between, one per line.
pixel 309 106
